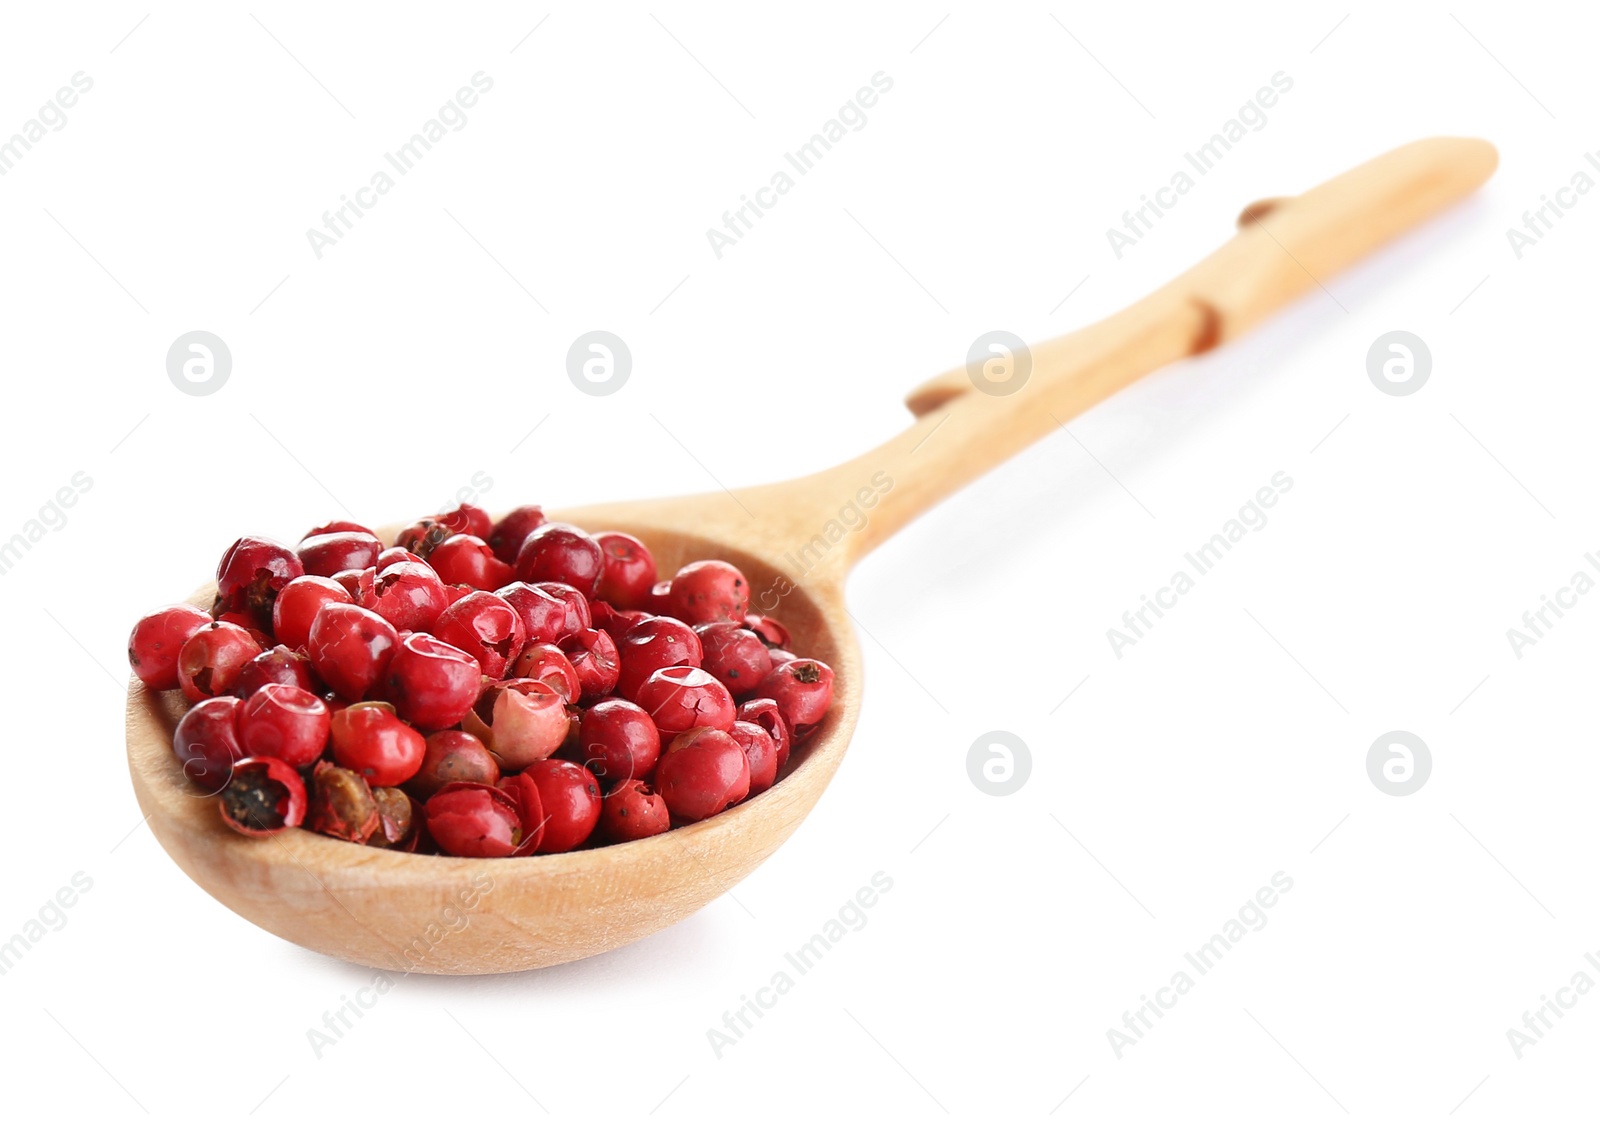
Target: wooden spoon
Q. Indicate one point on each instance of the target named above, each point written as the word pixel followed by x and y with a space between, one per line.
pixel 795 541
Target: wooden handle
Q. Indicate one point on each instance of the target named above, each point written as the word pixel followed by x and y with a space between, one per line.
pixel 1284 247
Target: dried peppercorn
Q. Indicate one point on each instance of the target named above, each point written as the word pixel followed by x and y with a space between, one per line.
pixel 341 805
pixel 398 819
pixel 262 797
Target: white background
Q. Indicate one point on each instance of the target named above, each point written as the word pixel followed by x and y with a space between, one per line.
pixel 1229 745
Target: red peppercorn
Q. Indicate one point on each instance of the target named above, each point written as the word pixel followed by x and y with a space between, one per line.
pixel 508 534
pixel 803 690
pixel 618 740
pixel 368 738
pixel 392 556
pixel 702 772
pixel 327 553
pixel 544 616
pixel 206 742
pixel 594 656
pixel 350 648
pixel 633 811
pixel 562 553
pixel 759 753
pixel 735 656
pixel 545 662
pixel 654 644
pixel 769 630
pixel 410 596
pixel 612 620
pixel 660 599
pixel 423 536
pixel 521 721
pixel 629 570
pixel 212 659
pixel 570 749
pixel 284 722
pixel 570 796
pixel 342 804
pixel 577 607
pixel 474 820
pixel 278 666
pixel 468 560
pixel 452 756
pixel 468 520
pixel 263 797
pixel 764 711
pixel 252 573
pixel 530 810
pixel 431 683
pixel 708 591
pixel 156 640
pixel 680 698
pixel 486 627
pixel 358 583
pixel 297 605
pixel 248 622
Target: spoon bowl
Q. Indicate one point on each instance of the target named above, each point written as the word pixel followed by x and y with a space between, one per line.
pixel 434 914
pixel 795 542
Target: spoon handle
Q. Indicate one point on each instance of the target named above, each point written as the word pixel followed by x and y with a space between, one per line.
pixel 1284 247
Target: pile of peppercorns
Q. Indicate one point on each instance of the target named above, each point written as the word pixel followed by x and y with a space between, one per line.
pixel 478 689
